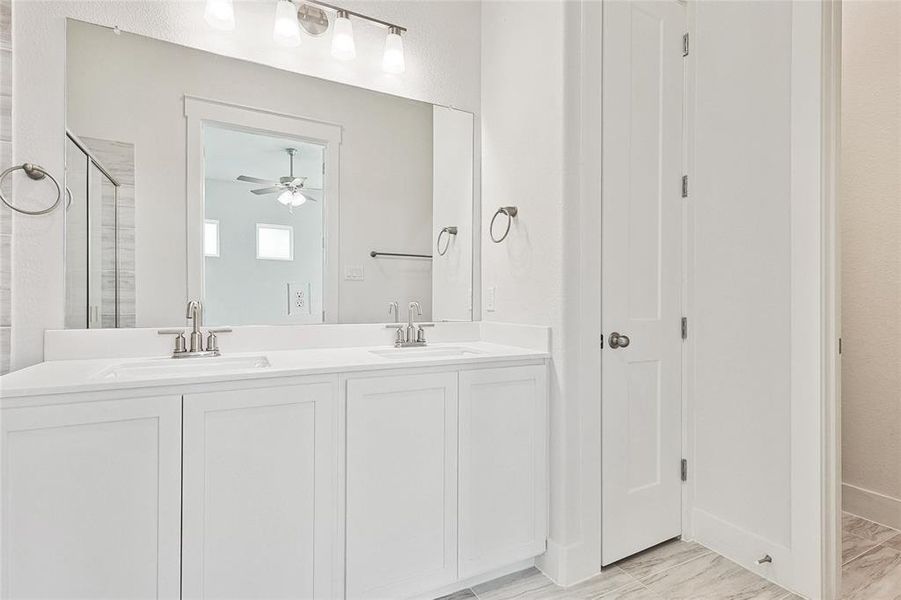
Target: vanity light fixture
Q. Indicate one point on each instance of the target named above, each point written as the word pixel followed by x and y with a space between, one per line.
pixel 343 47
pixel 220 14
pixel 309 14
pixel 393 60
pixel 286 30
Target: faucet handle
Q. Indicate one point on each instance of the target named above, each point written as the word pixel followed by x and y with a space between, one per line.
pixel 179 339
pixel 212 342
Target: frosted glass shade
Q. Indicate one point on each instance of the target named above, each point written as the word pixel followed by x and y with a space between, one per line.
pixel 393 60
pixel 289 198
pixel 220 14
pixel 343 47
pixel 286 31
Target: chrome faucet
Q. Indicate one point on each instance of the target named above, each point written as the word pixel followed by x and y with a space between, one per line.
pixel 195 347
pixel 411 333
pixel 393 307
pixel 195 313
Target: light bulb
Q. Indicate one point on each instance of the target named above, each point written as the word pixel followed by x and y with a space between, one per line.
pixel 286 31
pixel 220 14
pixel 291 198
pixel 393 60
pixel 343 46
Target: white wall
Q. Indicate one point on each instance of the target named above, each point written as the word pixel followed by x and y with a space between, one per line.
pixel 871 258
pixel 442 67
pixel 239 288
pixel 540 62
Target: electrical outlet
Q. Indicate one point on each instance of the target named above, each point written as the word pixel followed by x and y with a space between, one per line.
pixel 491 299
pixel 353 273
pixel 298 299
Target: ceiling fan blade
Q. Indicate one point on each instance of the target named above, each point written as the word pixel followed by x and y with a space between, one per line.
pixel 268 190
pixel 255 180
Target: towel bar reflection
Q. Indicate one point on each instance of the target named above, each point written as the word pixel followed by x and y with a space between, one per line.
pixel 35 173
pixel 510 212
pixel 375 254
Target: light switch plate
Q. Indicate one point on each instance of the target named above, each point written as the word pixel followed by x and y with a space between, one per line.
pixel 491 299
pixel 353 272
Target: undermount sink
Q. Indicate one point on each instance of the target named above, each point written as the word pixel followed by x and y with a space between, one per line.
pixel 168 367
pixel 427 352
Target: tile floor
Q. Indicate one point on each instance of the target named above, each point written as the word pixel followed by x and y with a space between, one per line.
pixel 871 560
pixel 674 570
pixel 677 570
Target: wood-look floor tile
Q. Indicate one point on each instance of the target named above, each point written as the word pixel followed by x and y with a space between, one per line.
pixel 636 591
pixel 661 557
pixel 523 585
pixel 874 576
pixel 894 542
pixel 461 595
pixel 865 529
pixel 853 546
pixel 712 577
pixel 610 579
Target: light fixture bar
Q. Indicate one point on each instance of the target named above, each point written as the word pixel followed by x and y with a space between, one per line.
pixel 384 24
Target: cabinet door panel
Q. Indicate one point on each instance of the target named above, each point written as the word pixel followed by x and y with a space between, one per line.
pixel 401 485
pixel 503 467
pixel 259 493
pixel 91 499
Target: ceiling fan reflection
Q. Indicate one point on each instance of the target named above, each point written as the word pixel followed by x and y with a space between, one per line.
pixel 290 189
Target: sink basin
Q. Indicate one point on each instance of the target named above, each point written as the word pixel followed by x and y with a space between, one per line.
pixel 427 352
pixel 185 367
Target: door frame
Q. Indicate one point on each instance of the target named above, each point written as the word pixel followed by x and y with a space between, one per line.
pixel 831 438
pixel 199 111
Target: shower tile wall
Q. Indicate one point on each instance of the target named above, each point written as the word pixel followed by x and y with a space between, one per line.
pixel 5 161
pixel 119 159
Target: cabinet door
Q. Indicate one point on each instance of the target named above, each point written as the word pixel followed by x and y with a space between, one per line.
pixel 91 499
pixel 503 466
pixel 259 502
pixel 401 485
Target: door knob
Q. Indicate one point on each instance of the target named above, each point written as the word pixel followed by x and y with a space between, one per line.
pixel 618 341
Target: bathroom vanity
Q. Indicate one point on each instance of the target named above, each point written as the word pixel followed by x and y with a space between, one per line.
pixel 349 472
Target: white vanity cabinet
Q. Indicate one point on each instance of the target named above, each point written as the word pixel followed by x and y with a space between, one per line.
pixel 446 477
pixel 401 485
pixel 260 492
pixel 91 503
pixel 503 467
pixel 385 483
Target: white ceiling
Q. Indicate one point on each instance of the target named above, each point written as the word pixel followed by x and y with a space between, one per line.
pixel 229 153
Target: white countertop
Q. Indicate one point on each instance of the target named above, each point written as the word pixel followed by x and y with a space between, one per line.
pixel 100 374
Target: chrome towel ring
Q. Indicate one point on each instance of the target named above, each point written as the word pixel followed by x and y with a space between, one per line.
pixel 451 230
pixel 36 173
pixel 510 212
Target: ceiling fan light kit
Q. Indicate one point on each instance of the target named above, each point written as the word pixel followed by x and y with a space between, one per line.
pixel 288 188
pixel 311 16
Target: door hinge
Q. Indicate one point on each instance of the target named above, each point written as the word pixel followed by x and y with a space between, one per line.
pixel 683 469
pixel 839 345
pixel 684 328
pixel 685 186
pixel 602 341
pixel 685 44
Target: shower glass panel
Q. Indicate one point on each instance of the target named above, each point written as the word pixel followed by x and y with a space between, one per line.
pixel 92 265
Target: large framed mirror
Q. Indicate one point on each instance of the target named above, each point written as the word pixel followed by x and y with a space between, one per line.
pixel 272 197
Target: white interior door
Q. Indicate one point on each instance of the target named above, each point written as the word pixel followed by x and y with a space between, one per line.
pixel 642 258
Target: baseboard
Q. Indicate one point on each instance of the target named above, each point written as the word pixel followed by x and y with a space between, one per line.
pixel 569 565
pixel 476 580
pixel 871 505
pixel 743 547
